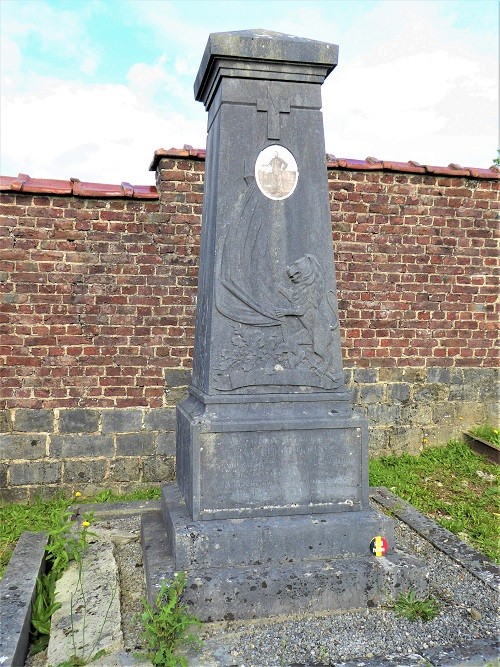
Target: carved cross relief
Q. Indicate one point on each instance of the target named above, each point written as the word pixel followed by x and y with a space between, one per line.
pixel 273 108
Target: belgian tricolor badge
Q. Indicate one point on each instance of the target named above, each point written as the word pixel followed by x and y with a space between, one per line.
pixel 379 546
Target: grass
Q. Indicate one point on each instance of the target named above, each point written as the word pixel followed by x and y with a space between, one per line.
pixel 451 484
pixel 413 608
pixel 50 516
pixel 42 515
pixel 487 432
pixel 107 496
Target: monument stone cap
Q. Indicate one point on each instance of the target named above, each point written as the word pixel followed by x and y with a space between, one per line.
pixel 244 50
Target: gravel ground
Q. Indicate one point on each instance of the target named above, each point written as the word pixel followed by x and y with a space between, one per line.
pixel 468 611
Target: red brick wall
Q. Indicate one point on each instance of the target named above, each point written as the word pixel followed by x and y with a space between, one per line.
pixel 99 294
pixel 415 261
pixel 86 306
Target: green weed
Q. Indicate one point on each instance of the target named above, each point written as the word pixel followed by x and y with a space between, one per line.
pixel 43 607
pixel 283 652
pixel 487 432
pixel 51 516
pixel 410 607
pixel 41 516
pixel 453 485
pixel 108 496
pixel 64 544
pixel 166 624
pixel 323 655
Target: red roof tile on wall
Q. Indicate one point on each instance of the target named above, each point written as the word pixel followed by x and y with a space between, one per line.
pixel 23 183
pixel 410 167
pixel 371 164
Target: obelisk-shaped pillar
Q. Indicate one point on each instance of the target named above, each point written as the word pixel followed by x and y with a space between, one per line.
pixel 270 510
pixel 277 433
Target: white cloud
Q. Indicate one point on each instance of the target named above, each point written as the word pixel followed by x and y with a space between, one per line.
pixel 60 33
pixel 10 57
pixel 409 85
pixel 186 67
pixel 425 92
pixel 155 84
pixel 92 132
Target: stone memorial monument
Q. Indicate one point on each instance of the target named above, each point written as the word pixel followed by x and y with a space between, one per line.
pixel 270 513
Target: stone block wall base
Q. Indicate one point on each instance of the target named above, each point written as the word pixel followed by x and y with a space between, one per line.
pixel 299 585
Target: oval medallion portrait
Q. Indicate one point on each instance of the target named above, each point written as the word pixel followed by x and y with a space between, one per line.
pixel 276 172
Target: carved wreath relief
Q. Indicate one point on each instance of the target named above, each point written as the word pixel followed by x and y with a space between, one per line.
pixel 276 172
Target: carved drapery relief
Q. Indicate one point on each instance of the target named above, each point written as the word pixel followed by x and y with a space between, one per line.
pixel 288 344
pixel 282 318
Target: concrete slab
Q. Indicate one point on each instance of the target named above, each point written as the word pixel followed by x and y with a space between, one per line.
pixel 118 509
pixel 89 619
pixel 121 658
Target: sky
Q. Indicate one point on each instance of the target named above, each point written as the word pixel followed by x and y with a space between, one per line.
pixel 91 88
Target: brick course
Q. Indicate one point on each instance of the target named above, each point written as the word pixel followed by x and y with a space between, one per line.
pixel 415 268
pixel 98 297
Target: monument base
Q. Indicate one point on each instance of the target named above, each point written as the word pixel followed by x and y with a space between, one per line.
pixel 271 455
pixel 268 566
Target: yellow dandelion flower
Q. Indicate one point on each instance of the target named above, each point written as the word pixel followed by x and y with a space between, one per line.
pixel 77 494
pixel 85 524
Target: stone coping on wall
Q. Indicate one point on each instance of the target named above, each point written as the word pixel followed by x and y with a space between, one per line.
pixel 369 164
pixel 77 188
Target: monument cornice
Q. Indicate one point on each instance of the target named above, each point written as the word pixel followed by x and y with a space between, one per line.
pixel 262 54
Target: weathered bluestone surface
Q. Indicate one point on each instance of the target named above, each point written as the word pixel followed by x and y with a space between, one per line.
pixel 268 428
pixel 17 592
pixel 271 514
pixel 260 93
pixel 274 588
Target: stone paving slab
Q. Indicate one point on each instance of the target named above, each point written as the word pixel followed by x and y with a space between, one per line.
pixel 482 653
pixel 89 619
pixel 120 509
pixel 17 591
